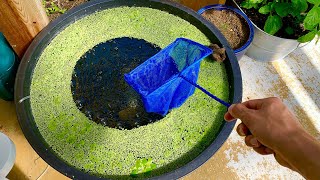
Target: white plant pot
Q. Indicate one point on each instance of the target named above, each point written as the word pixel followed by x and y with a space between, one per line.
pixel 266 47
pixel 7 155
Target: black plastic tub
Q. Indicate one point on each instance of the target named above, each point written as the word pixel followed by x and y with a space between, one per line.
pixel 29 61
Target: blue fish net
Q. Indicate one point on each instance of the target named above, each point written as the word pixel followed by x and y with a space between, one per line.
pixel 161 80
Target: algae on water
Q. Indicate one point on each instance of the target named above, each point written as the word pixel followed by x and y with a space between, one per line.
pixel 171 142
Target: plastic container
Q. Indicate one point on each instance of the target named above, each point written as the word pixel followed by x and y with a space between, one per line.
pixel 242 50
pixel 8 68
pixel 7 155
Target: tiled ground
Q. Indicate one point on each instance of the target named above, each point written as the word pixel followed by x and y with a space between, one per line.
pixel 294 79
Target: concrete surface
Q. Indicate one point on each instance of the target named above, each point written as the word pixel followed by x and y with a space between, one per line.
pixel 296 80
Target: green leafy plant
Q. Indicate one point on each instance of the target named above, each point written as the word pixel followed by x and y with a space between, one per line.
pixel 303 12
pixel 143 166
pixel 53 8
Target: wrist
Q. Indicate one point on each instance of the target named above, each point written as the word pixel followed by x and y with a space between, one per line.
pixel 302 152
pixel 291 140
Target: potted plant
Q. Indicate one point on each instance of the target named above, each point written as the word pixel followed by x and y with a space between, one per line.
pixel 233 24
pixel 280 26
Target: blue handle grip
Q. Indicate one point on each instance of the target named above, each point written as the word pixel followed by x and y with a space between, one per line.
pixel 208 93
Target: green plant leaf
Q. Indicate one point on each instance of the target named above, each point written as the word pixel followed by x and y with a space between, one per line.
pixel 312 19
pixel 265 9
pixel 299 6
pixel 153 166
pixel 138 164
pixel 149 162
pixel 283 9
pixel 62 11
pixel 54 9
pixel 256 1
pixel 148 169
pixel 308 37
pixel 314 1
pixel 272 4
pixel 289 30
pixel 273 24
pixel 134 173
pixel 248 5
pixel 300 18
pixel 142 166
pixel 144 161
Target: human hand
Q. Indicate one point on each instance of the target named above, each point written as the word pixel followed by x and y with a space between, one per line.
pixel 267 124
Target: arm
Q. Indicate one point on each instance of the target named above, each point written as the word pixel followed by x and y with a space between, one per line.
pixel 270 128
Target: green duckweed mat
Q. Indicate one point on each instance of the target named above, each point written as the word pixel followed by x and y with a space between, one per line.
pixel 171 142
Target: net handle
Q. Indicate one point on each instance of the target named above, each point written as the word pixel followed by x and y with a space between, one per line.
pixel 207 93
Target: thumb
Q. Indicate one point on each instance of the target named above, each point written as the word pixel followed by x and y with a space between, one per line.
pixel 239 111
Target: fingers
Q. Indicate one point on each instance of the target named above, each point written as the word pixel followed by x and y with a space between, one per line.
pixel 242 112
pixel 263 150
pixel 282 162
pixel 237 110
pixel 254 104
pixel 251 141
pixel 228 117
pixel 243 130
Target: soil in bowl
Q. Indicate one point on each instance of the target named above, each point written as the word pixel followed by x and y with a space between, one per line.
pixel 232 26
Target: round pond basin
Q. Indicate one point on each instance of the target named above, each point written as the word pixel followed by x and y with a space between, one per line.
pixel 80 116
